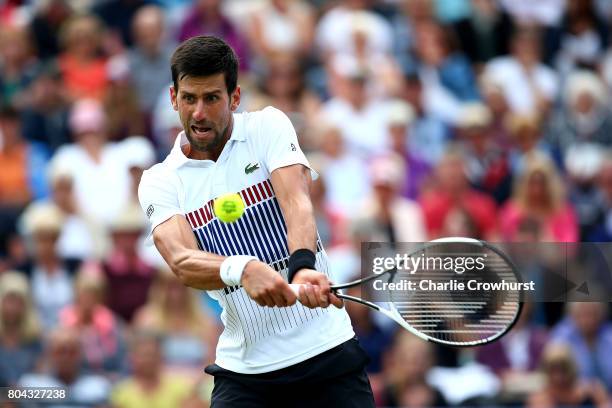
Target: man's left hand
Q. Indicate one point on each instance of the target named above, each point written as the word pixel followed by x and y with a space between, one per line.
pixel 315 289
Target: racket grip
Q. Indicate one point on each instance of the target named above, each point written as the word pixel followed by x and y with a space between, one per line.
pixel 295 287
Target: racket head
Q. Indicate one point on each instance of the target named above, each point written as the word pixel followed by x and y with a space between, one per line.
pixel 457 317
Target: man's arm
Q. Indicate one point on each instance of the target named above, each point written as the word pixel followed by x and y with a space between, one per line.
pixel 201 270
pixel 292 188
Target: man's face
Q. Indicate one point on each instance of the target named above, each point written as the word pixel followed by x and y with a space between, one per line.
pixel 205 109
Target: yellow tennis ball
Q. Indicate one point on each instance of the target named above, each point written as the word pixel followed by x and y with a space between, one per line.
pixel 229 207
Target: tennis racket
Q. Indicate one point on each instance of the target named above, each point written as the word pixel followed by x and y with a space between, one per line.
pixel 481 301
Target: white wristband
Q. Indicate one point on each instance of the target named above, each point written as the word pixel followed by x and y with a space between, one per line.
pixel 232 268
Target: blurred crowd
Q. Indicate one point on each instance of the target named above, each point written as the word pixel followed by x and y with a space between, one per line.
pixel 424 118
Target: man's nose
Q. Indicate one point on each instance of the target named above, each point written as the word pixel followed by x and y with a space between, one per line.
pixel 199 114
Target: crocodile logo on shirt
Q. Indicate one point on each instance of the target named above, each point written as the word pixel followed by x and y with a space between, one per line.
pixel 251 168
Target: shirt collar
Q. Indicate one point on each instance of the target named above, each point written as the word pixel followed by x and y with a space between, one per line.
pixel 177 158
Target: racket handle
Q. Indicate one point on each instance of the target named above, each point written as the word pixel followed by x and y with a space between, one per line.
pixel 295 287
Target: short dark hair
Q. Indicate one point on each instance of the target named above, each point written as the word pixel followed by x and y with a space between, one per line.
pixel 205 55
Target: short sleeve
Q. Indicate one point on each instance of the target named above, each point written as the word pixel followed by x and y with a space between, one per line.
pixel 158 196
pixel 279 142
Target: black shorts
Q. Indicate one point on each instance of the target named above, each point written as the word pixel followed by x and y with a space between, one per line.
pixel 335 378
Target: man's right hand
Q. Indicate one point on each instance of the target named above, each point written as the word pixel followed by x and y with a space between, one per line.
pixel 266 286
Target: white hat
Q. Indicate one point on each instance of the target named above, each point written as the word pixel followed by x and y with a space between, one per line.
pixel 474 115
pixel 587 82
pixel 131 219
pixel 400 113
pixel 583 160
pixel 41 217
pixel 138 151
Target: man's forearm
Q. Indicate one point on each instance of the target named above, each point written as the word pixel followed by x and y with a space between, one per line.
pixel 301 226
pixel 198 269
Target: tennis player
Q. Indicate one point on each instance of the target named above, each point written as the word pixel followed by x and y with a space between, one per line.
pixel 274 350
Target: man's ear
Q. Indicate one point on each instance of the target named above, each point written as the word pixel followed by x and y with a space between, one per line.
pixel 173 97
pixel 235 99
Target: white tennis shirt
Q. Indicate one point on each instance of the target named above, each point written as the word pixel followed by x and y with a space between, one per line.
pixel 255 339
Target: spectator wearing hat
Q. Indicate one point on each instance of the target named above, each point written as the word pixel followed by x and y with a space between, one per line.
pixel 19 330
pixel 128 275
pixel 584 117
pixel 487 164
pixel 50 275
pixel 99 169
pixel 397 218
pixel 399 122
pixel 63 369
pixel 100 331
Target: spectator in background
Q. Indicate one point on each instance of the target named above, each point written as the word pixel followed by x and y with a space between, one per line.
pixel 50 275
pixel 63 369
pixel 397 218
pixel 207 17
pixel 17 65
pixel 526 139
pixel 331 222
pixel 539 194
pixel 21 179
pixel 149 57
pixel 118 15
pixel 100 332
pixel 189 335
pixel 484 34
pixel 583 163
pixel 374 338
pixel 527 12
pixel 335 27
pixel 149 385
pixel 82 67
pixel 360 117
pixel 428 135
pixel 346 176
pixel 100 169
pixel 516 356
pixel 19 330
pixel 451 190
pixel 81 237
pixel 282 26
pixel 45 27
pixel 528 85
pixel 563 388
pixel 401 117
pixel 602 231
pixel 588 335
pixel 124 118
pixel 487 165
pixel 405 372
pixel 128 275
pixel 283 87
pixel 580 39
pixel 494 99
pixel 447 76
pixel 584 116
pixel 45 118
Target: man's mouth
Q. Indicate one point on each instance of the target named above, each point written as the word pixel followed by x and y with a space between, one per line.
pixel 200 130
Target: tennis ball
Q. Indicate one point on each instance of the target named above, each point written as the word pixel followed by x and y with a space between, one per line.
pixel 229 207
